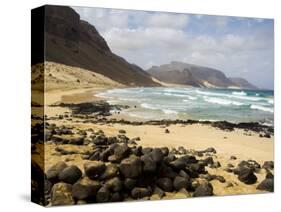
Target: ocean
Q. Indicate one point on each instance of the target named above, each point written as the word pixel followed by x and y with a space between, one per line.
pixel 195 103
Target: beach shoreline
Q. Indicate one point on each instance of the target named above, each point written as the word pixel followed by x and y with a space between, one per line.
pixel 195 130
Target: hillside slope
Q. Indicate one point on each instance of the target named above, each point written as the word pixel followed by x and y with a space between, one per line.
pixel 63 77
pixel 74 42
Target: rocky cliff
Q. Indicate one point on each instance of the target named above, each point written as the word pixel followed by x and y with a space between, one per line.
pixel 74 42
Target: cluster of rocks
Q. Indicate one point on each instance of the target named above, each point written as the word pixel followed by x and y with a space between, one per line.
pixel 246 170
pixel 97 107
pixel 117 169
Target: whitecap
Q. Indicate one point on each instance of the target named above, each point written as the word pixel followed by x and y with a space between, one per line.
pixel 258 107
pixel 172 94
pixel 222 101
pixel 241 93
pixel 271 101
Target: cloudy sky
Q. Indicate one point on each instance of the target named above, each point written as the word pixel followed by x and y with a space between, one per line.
pixel 240 47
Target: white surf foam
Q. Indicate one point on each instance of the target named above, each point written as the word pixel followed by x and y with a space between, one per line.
pixel 241 93
pixel 222 101
pixel 271 101
pixel 258 107
pixel 173 94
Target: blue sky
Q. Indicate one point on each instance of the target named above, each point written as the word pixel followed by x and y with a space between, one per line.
pixel 240 47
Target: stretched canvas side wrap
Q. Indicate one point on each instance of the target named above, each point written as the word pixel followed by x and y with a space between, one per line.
pixel 132 105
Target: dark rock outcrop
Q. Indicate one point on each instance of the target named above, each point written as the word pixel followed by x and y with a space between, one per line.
pixel 204 189
pixel 266 185
pixel 70 174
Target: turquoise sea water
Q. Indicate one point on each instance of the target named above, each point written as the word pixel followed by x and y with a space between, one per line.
pixel 195 103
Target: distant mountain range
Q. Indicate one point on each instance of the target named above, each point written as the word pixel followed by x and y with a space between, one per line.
pixel 74 42
pixel 196 76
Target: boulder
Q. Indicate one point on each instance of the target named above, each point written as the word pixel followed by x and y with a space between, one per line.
pixel 95 156
pixel 198 168
pixel 149 165
pixel 122 151
pixel 100 140
pixel 122 131
pixel 146 150
pixel 103 194
pixel 85 189
pixel 94 169
pixel 114 184
pixel 111 171
pixel 182 173
pixel 70 174
pixel 180 182
pixel 247 176
pixel 269 165
pixel 250 164
pixel 266 185
pixel 178 164
pixel 157 155
pixel 105 154
pixel 138 192
pixel 204 189
pixel 169 158
pixel 131 167
pixel 116 197
pixel 137 151
pixel 76 140
pixel 53 173
pixel 166 171
pixel 61 194
pixel 130 183
pixel 269 175
pixel 165 184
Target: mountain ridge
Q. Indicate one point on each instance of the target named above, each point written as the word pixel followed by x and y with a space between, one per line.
pixel 75 42
pixel 196 75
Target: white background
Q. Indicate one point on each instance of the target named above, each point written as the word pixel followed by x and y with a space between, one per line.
pixel 15 103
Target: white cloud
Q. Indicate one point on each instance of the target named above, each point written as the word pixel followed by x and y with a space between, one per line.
pixel 165 20
pixel 233 41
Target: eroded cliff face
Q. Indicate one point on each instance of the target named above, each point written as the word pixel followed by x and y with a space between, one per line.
pixel 74 42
